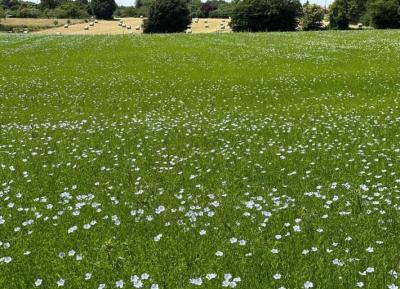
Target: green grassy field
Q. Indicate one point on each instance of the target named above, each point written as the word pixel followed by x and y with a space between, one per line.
pixel 252 161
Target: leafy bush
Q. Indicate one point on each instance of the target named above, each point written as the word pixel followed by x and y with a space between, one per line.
pixel 194 8
pixel 29 13
pixel 266 15
pixel 312 17
pixel 221 13
pixel 167 16
pixel 206 8
pixel 357 10
pixel 128 11
pixel 339 15
pixel 224 10
pixel 143 7
pixel 5 4
pixel 103 9
pixel 49 4
pixel 385 14
pixel 70 10
pixel 2 13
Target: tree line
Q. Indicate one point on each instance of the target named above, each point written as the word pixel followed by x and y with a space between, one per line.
pixel 104 9
pixel 381 14
pixel 197 8
pixel 75 9
pixel 289 15
pixel 280 15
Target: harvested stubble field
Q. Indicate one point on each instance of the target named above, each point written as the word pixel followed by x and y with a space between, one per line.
pixel 200 161
pixel 29 22
pixel 33 23
pixel 112 27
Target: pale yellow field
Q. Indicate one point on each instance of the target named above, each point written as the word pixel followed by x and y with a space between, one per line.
pixel 35 22
pixel 214 25
pixel 114 27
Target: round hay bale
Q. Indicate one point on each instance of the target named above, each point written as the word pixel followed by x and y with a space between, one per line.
pixel 86 27
pixel 66 25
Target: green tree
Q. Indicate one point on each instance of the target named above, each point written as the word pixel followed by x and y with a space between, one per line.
pixel 167 16
pixel 9 4
pixel 128 11
pixel 5 4
pixel 194 8
pixel 82 2
pixel 357 10
pixel 339 15
pixel 2 14
pixel 50 4
pixel 143 7
pixel 385 14
pixel 68 10
pixel 223 11
pixel 103 9
pixel 138 3
pixel 29 13
pixel 312 17
pixel 265 15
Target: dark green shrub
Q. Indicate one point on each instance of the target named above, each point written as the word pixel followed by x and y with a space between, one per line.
pixel 312 17
pixel 357 10
pixel 2 13
pixel 266 15
pixel 103 9
pixel 29 13
pixel 339 15
pixel 384 14
pixel 167 16
pixel 49 4
pixel 123 11
pixel 70 10
pixel 224 10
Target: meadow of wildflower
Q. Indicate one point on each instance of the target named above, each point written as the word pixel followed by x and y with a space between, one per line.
pixel 251 161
